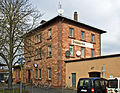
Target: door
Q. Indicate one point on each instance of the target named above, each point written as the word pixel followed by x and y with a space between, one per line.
pixel 73 79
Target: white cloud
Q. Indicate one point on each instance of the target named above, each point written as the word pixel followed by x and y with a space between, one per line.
pixel 103 14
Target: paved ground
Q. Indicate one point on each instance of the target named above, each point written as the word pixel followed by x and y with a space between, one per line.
pixel 50 90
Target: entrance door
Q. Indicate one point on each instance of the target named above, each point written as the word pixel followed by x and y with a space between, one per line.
pixel 73 79
pixel 29 75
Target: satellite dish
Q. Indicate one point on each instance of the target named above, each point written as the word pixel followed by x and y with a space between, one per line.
pixel 78 53
pixel 67 53
pixel 35 65
pixel 60 11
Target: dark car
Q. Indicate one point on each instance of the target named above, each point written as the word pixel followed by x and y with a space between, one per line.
pixel 92 85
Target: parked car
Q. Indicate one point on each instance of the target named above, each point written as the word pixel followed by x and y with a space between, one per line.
pixel 113 85
pixel 92 85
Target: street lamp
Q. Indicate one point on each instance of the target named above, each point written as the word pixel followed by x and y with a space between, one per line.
pixel 21 62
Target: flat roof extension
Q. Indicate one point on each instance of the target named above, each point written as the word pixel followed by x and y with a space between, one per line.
pixel 93 58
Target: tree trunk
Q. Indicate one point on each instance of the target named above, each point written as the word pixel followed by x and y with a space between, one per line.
pixel 10 78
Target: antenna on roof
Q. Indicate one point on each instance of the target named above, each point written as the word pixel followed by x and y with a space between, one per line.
pixel 60 10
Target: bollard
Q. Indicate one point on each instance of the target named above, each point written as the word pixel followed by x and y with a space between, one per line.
pixel 3 89
pixel 13 89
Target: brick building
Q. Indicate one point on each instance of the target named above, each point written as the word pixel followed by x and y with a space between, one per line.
pixel 46 46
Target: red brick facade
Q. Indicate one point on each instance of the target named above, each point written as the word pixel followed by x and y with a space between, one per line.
pixel 45 62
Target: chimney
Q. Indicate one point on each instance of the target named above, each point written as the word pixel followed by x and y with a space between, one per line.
pixel 75 16
pixel 42 22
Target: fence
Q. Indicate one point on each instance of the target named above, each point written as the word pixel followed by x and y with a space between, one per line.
pixel 15 89
pixel 47 88
pixel 35 88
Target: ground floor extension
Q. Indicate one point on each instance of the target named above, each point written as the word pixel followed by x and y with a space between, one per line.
pixel 103 66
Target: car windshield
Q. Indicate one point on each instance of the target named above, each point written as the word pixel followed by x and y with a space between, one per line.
pixel 113 83
pixel 84 83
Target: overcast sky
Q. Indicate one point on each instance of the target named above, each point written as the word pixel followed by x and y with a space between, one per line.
pixel 102 14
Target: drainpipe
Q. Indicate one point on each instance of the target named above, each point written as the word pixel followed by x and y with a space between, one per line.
pixel 61 51
pixel 100 44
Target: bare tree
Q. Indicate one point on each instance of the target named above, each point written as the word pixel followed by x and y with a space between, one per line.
pixel 17 17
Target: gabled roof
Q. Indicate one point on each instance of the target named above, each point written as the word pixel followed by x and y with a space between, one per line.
pixel 65 18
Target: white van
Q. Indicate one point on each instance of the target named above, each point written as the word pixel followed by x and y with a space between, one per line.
pixel 113 85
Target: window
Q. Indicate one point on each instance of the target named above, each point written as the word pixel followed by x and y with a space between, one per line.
pixel 49 33
pixel 49 51
pixel 36 73
pixel 71 32
pixel 82 35
pixel 49 73
pixel 39 73
pixel 84 82
pixel 40 53
pixel 113 83
pixel 71 50
pixel 37 38
pixel 37 53
pixel 92 52
pixel 92 38
pixel 40 37
pixel 29 42
pixel 82 52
